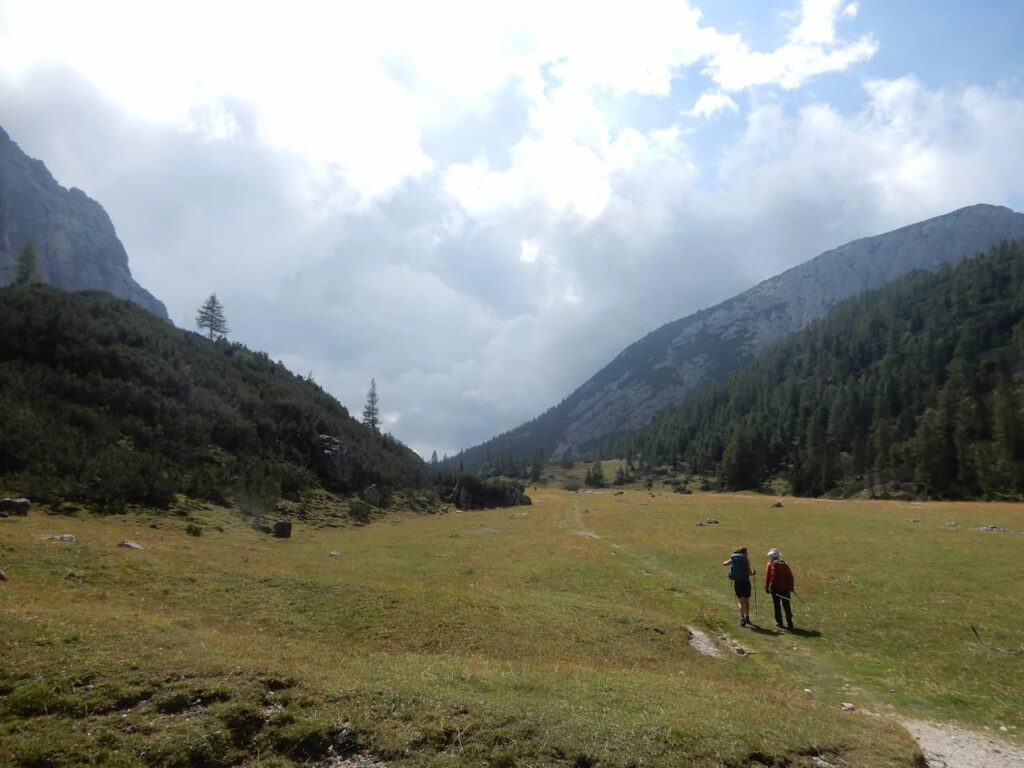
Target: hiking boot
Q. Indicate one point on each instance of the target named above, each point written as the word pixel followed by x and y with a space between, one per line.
pixel 779 624
pixel 790 625
pixel 744 621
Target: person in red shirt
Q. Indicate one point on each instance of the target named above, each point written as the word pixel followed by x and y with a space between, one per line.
pixel 778 580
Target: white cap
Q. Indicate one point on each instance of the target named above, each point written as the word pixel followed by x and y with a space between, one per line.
pixel 774 553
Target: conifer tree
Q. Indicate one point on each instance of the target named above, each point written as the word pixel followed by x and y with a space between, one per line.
pixel 371 412
pixel 26 264
pixel 211 318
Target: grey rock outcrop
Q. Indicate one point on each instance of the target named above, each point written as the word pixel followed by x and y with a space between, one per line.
pixel 372 495
pixel 332 462
pixel 129 544
pixel 663 368
pixel 20 506
pixel 75 239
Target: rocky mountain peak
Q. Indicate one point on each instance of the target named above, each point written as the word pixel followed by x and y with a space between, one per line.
pixel 75 238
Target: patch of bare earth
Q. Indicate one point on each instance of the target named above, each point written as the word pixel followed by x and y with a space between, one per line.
pixel 701 643
pixel 946 746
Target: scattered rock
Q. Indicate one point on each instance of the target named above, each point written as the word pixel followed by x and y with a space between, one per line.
pixel 62 537
pixel 372 495
pixel 129 544
pixel 712 521
pixel 993 529
pixel 736 648
pixel 776 504
pixel 808 690
pixel 619 493
pixel 283 529
pixel 952 523
pixel 19 506
pixel 701 643
pixel 848 707
pixel 3 576
pixel 700 523
pixel 353 761
pixel 914 520
pixel 333 553
pixel 818 762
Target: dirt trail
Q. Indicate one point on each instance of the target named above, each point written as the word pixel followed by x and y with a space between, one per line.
pixel 946 746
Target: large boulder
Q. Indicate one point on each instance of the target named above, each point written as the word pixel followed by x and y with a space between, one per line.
pixel 332 462
pixel 19 506
pixel 283 529
pixel 473 493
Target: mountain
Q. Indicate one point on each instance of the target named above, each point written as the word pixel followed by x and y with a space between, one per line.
pixel 77 245
pixel 915 387
pixel 667 365
pixel 103 402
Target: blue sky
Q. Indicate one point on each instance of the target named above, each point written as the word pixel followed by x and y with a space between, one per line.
pixel 479 205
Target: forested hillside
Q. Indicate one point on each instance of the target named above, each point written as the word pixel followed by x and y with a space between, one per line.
pixel 919 385
pixel 104 402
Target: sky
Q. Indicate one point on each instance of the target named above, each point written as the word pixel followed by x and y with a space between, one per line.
pixel 479 205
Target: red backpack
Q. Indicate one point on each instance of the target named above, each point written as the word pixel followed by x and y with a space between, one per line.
pixel 782 577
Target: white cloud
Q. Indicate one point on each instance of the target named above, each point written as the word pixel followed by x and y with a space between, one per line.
pixel 711 103
pixel 529 250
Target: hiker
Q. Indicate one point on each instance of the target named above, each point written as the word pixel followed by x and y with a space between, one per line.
pixel 740 573
pixel 778 580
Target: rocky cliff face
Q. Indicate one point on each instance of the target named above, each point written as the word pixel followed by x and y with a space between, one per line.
pixel 78 247
pixel 663 368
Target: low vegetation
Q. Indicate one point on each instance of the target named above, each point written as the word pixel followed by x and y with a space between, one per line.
pixel 549 635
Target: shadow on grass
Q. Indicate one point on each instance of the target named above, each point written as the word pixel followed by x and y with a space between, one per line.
pixel 805 632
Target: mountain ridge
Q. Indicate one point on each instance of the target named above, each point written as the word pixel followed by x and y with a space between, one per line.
pixel 75 238
pixel 664 367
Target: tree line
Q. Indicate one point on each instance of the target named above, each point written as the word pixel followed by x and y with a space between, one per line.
pixel 918 386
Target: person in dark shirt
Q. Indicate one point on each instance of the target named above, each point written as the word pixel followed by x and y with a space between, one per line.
pixel 778 580
pixel 740 573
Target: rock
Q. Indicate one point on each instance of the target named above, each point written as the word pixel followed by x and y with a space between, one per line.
pixel 372 495
pixel 283 529
pixel 19 507
pixel 129 544
pixel 332 462
pixel 77 245
pixel 818 762
pixel 333 553
pixel 712 521
pixel 3 576
pixel 952 523
pixel 993 529
pixel 776 504
pixel 62 537
pixel 3 514
pixel 848 707
pixel 473 493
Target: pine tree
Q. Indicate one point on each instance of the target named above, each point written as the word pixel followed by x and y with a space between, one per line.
pixel 433 458
pixel 371 412
pixel 26 264
pixel 211 318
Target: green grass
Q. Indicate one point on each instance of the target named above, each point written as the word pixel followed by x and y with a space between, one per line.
pixel 504 638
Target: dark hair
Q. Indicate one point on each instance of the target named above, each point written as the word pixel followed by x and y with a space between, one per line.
pixel 742 550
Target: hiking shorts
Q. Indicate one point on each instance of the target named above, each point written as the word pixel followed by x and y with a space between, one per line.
pixel 742 588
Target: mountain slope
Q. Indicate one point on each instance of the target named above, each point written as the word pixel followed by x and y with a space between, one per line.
pixel 78 247
pixel 667 365
pixel 919 384
pixel 104 402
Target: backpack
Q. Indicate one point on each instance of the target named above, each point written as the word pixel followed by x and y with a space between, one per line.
pixel 782 577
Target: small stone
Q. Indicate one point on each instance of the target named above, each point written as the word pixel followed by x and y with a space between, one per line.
pixel 776 504
pixel 3 576
pixel 62 537
pixel 1003 728
pixel 848 707
pixel 129 544
pixel 333 553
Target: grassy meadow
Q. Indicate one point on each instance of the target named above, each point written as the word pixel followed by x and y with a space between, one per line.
pixel 551 635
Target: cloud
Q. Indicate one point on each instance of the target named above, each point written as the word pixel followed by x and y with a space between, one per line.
pixel 711 103
pixel 479 239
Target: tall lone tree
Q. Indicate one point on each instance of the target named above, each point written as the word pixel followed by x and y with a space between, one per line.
pixel 26 264
pixel 371 413
pixel 211 318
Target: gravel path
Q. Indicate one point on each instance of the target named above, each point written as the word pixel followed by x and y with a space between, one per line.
pixel 946 746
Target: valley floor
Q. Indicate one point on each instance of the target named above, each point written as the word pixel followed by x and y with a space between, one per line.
pixel 551 635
